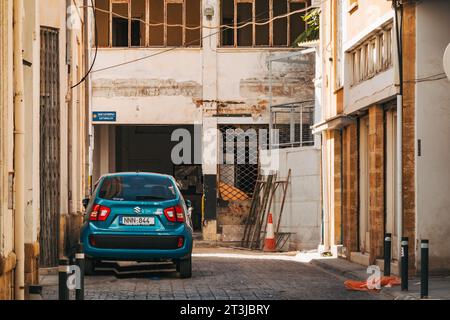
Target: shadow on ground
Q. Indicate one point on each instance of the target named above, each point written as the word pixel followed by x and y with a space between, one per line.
pixel 137 270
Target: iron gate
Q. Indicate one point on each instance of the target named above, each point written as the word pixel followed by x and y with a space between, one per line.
pixel 239 166
pixel 49 148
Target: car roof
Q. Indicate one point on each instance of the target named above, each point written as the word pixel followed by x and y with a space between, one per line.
pixel 149 174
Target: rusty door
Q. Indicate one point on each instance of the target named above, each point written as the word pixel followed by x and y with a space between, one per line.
pixel 50 162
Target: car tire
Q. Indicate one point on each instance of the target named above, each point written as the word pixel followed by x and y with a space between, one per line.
pixel 185 268
pixel 89 267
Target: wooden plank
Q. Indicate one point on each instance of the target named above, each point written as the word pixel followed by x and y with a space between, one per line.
pixel 271 23
pixel 110 23
pixel 147 22
pixel 235 24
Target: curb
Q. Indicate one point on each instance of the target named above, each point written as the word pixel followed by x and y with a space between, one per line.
pixel 350 275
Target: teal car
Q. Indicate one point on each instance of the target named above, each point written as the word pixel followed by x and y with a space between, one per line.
pixel 138 217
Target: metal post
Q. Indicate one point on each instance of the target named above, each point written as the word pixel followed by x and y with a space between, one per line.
pixel 387 254
pixel 424 245
pixel 301 127
pixel 404 263
pixel 63 275
pixel 79 260
pixel 270 106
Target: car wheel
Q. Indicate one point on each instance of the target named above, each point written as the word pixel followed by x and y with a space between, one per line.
pixel 89 267
pixel 185 268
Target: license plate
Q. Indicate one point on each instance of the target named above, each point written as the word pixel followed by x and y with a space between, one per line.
pixel 137 221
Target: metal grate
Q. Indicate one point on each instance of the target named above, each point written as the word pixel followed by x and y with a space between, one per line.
pixel 293 122
pixel 50 148
pixel 238 168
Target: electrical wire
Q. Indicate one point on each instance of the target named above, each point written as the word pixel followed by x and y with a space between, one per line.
pixel 96 50
pixel 223 26
pixel 202 38
pixel 435 77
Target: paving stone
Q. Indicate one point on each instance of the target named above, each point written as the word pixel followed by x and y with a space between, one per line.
pixel 221 279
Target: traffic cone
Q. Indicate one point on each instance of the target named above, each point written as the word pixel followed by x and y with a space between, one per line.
pixel 269 243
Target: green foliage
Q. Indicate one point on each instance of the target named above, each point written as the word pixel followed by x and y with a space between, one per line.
pixel 312 32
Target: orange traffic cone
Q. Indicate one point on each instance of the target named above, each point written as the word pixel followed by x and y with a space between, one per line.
pixel 269 243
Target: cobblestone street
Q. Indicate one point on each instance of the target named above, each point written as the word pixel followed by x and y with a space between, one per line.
pixel 218 278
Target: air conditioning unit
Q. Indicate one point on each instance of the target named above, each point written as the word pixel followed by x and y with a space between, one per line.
pixel 447 61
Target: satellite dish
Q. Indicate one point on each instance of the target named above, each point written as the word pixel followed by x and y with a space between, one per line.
pixel 447 61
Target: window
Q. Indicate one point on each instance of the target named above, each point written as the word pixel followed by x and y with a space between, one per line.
pixel 372 57
pixel 149 23
pixel 137 188
pixel 240 16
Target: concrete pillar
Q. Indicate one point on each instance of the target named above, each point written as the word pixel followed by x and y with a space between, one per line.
pixel 210 134
pixel 408 129
pixel 376 181
pixel 350 186
pixel 210 163
pixel 32 140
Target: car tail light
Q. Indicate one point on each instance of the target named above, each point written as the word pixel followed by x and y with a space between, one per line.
pixel 170 214
pixel 99 213
pixel 174 214
pixel 180 213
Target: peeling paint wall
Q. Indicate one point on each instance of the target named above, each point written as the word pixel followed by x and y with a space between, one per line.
pixel 174 80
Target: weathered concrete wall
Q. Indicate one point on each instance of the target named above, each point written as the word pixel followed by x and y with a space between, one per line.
pixel 168 89
pixel 433 118
pixel 159 90
pixel 302 211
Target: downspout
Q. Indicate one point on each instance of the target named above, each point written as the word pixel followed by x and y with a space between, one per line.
pixel 399 165
pixel 19 153
pixel 87 102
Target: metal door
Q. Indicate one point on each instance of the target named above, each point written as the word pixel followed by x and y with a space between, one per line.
pixel 50 162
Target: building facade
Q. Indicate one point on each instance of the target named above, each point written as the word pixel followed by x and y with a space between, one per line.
pixel 382 171
pixel 165 65
pixel 43 129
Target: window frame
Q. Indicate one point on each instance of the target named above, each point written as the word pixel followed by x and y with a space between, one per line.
pixel 147 26
pixel 271 24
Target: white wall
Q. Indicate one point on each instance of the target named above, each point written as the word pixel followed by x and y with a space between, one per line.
pixel 168 88
pixel 302 211
pixel 433 128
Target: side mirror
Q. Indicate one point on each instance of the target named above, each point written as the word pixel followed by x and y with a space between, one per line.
pixel 86 202
pixel 188 203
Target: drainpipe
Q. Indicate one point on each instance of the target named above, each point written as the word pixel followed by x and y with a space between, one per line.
pixel 19 152
pixel 87 101
pixel 398 26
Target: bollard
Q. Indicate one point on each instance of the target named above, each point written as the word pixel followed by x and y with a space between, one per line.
pixel 79 259
pixel 424 245
pixel 404 263
pixel 63 272
pixel 387 254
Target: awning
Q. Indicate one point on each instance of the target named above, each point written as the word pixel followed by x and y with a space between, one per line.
pixel 334 123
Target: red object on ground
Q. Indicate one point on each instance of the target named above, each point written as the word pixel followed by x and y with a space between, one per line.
pixel 362 285
pixel 269 243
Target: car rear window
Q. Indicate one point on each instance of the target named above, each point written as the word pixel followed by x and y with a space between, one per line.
pixel 137 188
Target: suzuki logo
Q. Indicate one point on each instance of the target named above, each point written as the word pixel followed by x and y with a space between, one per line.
pixel 137 210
